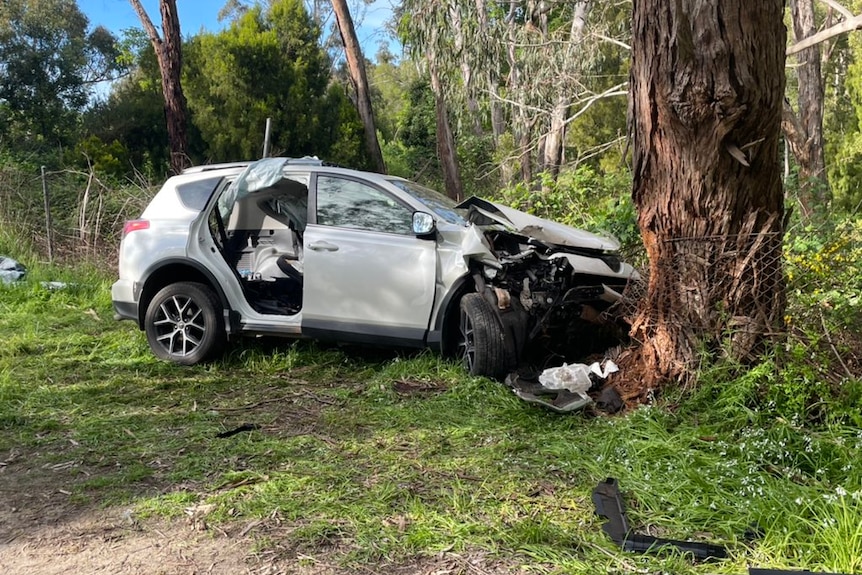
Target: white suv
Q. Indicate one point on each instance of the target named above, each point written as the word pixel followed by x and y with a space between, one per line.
pixel 297 248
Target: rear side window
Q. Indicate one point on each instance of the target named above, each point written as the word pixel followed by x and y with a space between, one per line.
pixel 195 195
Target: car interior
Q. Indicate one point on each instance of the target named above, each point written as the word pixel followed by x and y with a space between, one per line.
pixel 262 243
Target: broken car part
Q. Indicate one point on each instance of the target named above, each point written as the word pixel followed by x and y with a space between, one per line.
pixel 609 504
pixel 10 270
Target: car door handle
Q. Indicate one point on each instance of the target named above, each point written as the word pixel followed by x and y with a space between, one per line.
pixel 323 247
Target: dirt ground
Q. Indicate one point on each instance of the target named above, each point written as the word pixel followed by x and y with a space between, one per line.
pixel 43 531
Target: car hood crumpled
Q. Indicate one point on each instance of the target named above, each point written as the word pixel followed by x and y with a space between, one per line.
pixel 483 212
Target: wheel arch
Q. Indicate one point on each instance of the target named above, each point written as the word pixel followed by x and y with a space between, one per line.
pixel 447 320
pixel 171 271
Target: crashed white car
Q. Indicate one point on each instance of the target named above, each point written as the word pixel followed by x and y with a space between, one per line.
pixel 297 248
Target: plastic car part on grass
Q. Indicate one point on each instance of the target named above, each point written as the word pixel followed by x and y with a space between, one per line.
pixel 11 270
pixel 609 504
pixel 564 388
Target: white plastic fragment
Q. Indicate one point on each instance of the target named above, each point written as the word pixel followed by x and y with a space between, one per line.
pixel 575 377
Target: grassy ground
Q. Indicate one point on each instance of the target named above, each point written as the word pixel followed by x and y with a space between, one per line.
pixel 380 459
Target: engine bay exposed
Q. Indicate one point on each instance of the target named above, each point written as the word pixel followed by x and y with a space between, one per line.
pixel 547 307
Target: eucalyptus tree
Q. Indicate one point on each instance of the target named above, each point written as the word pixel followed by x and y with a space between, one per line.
pixel 359 79
pixel 707 91
pixel 168 48
pixel 522 67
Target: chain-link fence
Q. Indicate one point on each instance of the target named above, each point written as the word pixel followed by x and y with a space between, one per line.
pixel 733 296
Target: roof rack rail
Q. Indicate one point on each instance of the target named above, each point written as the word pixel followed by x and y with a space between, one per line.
pixel 210 167
pixel 303 161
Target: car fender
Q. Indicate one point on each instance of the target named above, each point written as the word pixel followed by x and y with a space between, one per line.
pixel 171 270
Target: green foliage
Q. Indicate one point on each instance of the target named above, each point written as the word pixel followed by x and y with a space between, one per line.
pixel 133 115
pixel 824 272
pixel 47 56
pixel 582 198
pixel 268 64
pixel 110 159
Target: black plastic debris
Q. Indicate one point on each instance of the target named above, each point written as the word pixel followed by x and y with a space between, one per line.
pixel 609 504
pixel 11 270
pixel 240 429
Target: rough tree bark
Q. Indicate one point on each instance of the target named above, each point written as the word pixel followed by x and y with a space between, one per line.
pixel 169 55
pixel 356 65
pixel 707 87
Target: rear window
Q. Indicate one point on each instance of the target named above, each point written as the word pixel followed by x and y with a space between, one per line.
pixel 195 195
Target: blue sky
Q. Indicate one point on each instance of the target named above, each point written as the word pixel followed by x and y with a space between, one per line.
pixel 116 15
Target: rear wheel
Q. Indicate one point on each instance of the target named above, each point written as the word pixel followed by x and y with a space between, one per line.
pixel 481 344
pixel 184 323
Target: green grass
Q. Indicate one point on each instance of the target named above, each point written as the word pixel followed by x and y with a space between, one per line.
pixel 386 457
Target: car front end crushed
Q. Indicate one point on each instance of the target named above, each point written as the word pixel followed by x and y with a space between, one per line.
pixel 548 285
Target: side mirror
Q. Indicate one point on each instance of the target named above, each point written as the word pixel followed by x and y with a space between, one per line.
pixel 423 224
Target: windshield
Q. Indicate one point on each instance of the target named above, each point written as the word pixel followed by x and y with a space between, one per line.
pixel 441 205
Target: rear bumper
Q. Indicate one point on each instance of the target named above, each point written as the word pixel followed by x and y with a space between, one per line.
pixel 122 296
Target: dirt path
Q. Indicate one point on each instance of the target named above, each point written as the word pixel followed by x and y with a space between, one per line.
pixel 43 531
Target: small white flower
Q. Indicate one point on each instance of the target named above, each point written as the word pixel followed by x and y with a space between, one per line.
pixel 840 491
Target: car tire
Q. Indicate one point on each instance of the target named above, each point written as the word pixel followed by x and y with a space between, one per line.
pixel 481 343
pixel 184 323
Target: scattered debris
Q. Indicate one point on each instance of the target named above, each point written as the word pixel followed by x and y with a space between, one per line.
pixel 609 504
pixel 11 270
pixel 240 429
pixel 564 388
pixel 55 285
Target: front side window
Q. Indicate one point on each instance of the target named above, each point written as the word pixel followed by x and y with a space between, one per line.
pixel 350 204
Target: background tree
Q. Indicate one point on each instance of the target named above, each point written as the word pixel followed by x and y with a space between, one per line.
pixel 168 49
pixel 359 80
pixel 268 63
pixel 707 88
pixel 49 61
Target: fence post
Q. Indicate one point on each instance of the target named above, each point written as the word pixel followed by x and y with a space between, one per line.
pixel 48 232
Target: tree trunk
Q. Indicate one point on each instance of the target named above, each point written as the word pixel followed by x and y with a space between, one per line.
pixel 556 137
pixel 356 65
pixel 445 139
pixel 169 55
pixel 805 134
pixel 707 86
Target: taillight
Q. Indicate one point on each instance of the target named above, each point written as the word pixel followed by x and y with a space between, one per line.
pixel 135 225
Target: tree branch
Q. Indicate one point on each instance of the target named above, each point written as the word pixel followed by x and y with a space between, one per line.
pixel 848 25
pixel 147 23
pixel 838 8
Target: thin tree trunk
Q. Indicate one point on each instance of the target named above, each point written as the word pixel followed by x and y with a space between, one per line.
pixel 807 142
pixel 445 139
pixel 356 65
pixel 556 137
pixel 707 86
pixel 169 55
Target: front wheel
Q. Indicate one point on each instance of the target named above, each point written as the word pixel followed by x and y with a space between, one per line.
pixel 481 344
pixel 184 323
